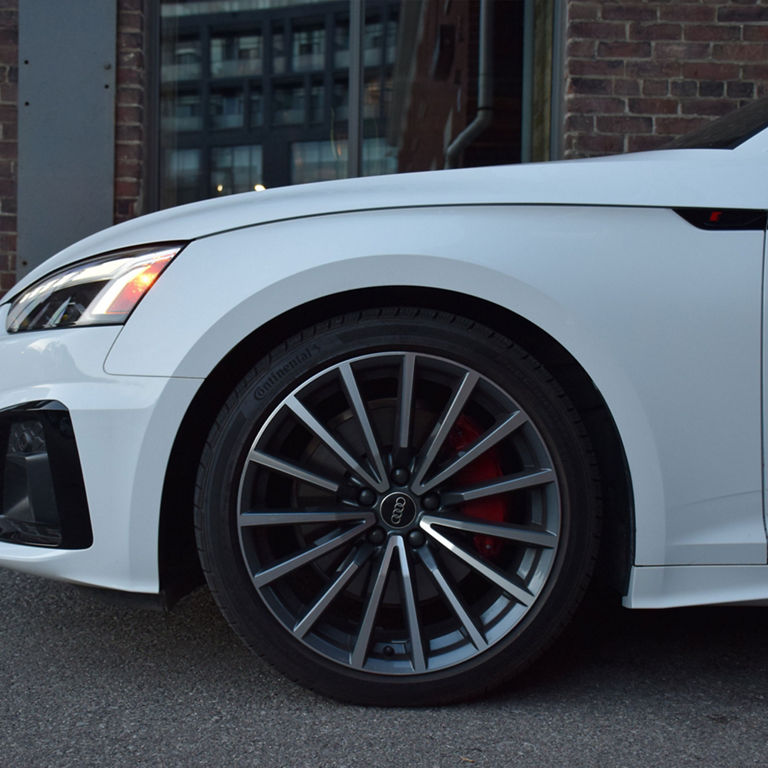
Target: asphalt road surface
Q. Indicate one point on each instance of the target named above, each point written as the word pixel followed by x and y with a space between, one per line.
pixel 88 684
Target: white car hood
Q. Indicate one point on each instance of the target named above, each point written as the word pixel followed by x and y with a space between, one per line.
pixel 669 178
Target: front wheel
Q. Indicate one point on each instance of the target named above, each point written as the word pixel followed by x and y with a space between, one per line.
pixel 398 507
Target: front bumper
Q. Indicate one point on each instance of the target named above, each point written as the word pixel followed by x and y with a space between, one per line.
pixel 123 428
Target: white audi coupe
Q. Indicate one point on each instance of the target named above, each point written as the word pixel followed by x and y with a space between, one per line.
pixel 400 423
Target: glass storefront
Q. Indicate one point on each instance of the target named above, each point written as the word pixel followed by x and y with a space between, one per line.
pixel 272 92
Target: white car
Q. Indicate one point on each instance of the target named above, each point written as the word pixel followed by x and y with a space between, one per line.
pixel 402 421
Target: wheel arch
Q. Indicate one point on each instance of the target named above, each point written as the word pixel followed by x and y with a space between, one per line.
pixel 179 566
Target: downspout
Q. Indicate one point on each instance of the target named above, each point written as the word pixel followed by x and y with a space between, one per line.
pixel 484 88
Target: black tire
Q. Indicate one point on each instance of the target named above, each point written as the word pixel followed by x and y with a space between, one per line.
pixel 398 507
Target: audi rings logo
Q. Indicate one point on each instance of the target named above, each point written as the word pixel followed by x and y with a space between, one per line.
pixel 397 510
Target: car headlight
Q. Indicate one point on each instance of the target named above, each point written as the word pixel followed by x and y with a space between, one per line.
pixel 99 291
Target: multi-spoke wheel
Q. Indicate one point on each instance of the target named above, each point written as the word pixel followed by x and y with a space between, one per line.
pixel 397 508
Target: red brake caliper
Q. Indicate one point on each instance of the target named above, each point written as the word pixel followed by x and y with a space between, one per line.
pixel 484 468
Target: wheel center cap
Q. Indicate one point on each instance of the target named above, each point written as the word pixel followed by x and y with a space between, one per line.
pixel 397 509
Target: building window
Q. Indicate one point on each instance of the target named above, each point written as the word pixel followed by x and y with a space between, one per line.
pixel 235 169
pixel 233 55
pixel 226 108
pixel 308 47
pixel 318 161
pixel 182 176
pixel 275 81
pixel 288 105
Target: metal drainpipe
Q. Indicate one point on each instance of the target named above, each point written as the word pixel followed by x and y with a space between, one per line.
pixel 484 88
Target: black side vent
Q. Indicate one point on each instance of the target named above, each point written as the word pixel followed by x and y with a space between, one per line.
pixel 723 218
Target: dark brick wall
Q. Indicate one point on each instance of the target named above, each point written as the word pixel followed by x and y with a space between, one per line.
pixel 129 110
pixel 9 54
pixel 641 72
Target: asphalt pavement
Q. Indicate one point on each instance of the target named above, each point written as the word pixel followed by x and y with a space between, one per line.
pixel 83 683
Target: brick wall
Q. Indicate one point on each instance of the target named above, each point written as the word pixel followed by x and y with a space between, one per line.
pixel 9 50
pixel 641 72
pixel 129 110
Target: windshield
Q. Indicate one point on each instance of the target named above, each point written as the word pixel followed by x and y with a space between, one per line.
pixel 727 132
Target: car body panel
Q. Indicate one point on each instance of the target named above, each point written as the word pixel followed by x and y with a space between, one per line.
pixel 652 308
pixel 687 178
pixel 692 504
pixel 125 426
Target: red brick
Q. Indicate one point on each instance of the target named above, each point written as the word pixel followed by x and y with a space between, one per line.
pixel 655 31
pixel 597 144
pixel 629 12
pixel 129 114
pixel 590 85
pixel 131 21
pixel 738 89
pixel 580 123
pixel 686 12
pixel 714 107
pixel 711 88
pixel 655 87
pixel 597 30
pixel 653 69
pixel 624 50
pixel 604 67
pixel 128 76
pixel 128 40
pixel 741 51
pixel 756 12
pixel 595 104
pixel 578 11
pixel 624 124
pixel 708 70
pixel 677 126
pixel 128 133
pixel 581 48
pixel 757 33
pixel 133 59
pixel 753 72
pixel 9 93
pixel 626 87
pixel 710 32
pixel 126 188
pixel 681 51
pixel 653 106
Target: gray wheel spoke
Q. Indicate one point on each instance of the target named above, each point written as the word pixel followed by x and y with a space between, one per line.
pixel 512 588
pixel 262 578
pixel 356 400
pixel 363 641
pixel 526 479
pixel 300 517
pixel 331 442
pixel 412 616
pixel 453 599
pixel 279 465
pixel 509 425
pixel 349 570
pixel 444 426
pixel 405 402
pixel 531 535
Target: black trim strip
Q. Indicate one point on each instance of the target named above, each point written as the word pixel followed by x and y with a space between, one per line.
pixel 723 218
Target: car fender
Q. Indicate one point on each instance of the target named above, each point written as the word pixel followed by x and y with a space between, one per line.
pixel 589 277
